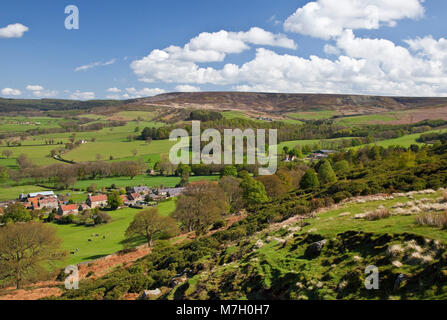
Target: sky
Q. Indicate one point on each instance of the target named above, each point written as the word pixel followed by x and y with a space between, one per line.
pixel 139 48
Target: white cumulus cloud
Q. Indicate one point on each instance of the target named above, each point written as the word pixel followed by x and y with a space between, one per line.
pixel 79 95
pixel 328 18
pixel 13 31
pixel 11 92
pixel 40 92
pixel 187 88
pixel 114 90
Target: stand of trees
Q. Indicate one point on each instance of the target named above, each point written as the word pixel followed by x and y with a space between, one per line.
pixel 65 175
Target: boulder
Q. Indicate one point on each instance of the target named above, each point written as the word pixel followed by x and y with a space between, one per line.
pixel 178 280
pixel 150 294
pixel 315 248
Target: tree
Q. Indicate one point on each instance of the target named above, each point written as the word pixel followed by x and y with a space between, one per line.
pixel 164 166
pixel 24 162
pixel 201 204
pixel 149 224
pixel 4 174
pixel 26 249
pixel 114 200
pixel 341 168
pixel 273 185
pixel 183 171
pixel 72 138
pixel 16 213
pixel 92 188
pixel 102 218
pixel 253 191
pixel 7 153
pixel 228 171
pixel 231 187
pixel 309 180
pixel 326 174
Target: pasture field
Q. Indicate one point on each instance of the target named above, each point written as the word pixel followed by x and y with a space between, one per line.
pixel 313 115
pixel 234 115
pixel 39 154
pixel 134 115
pixel 88 151
pixel 20 123
pixel 370 119
pixel 13 192
pixel 404 141
pixel 110 237
pixel 294 143
pixel 143 180
pixel 109 142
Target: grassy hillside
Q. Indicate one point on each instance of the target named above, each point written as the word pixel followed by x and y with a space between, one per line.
pixel 110 236
pixel 274 264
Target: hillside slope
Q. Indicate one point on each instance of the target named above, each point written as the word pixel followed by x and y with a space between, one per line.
pixel 280 103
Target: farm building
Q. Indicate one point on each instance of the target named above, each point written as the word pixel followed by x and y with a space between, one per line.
pixel 97 201
pixel 47 203
pixel 140 190
pixel 68 209
pixel 136 197
pixel 83 207
pixel 170 192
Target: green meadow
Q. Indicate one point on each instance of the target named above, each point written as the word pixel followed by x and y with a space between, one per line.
pixel 314 115
pixel 370 119
pixel 110 236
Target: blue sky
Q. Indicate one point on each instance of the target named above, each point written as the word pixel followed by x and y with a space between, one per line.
pixel 394 47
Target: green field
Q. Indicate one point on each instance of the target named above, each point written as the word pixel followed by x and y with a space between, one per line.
pixel 314 115
pixel 234 115
pixel 150 181
pixel 404 141
pixel 20 123
pixel 133 115
pixel 109 142
pixel 301 143
pixel 77 236
pixel 370 119
pixel 117 149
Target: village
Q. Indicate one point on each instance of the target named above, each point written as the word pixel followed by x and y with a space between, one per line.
pixel 135 197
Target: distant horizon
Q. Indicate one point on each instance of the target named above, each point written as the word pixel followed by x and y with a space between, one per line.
pixel 237 92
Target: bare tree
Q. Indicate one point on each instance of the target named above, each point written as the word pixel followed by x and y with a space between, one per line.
pixel 26 250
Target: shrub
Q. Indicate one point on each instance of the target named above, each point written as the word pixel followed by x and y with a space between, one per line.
pixel 434 219
pixel 218 224
pixel 380 213
pixel 444 197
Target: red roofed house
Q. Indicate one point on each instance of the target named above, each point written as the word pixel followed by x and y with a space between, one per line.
pixel 47 203
pixel 126 200
pixel 32 203
pixel 136 197
pixel 68 209
pixel 83 207
pixel 97 201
